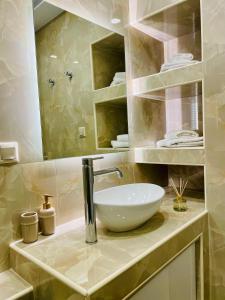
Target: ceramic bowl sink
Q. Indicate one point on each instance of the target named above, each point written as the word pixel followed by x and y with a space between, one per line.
pixel 126 207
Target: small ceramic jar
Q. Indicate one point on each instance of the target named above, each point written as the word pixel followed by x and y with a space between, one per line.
pixel 29 226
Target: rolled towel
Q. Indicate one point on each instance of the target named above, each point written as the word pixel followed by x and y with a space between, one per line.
pixel 117 144
pixel 181 133
pixel 181 142
pixel 122 138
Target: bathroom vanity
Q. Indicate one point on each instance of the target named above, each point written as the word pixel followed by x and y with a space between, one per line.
pixel 129 265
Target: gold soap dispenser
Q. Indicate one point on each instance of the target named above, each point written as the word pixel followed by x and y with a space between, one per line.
pixel 47 217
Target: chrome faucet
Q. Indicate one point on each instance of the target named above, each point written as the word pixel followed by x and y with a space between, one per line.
pixel 88 184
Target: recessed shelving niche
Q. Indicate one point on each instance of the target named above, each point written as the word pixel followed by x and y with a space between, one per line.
pixel 156 38
pixel 161 174
pixel 110 121
pixel 108 57
pixel 160 111
pixel 195 176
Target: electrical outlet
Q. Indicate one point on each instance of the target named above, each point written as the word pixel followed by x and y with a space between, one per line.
pixel 82 132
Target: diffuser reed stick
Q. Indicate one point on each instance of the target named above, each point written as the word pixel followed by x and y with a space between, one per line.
pixel 179 201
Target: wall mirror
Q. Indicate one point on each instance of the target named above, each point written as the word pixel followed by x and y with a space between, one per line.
pixel 81 80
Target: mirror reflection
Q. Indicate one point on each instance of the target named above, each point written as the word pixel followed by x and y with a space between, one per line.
pixel 82 87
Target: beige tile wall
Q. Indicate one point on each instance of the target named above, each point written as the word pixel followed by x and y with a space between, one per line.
pixel 22 187
pixel 19 112
pixel 213 13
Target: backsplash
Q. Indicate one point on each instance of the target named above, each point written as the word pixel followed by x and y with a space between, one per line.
pixel 22 187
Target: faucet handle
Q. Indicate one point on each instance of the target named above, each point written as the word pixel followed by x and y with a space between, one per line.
pixel 89 160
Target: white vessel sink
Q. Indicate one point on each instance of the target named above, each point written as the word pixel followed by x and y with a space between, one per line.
pixel 126 207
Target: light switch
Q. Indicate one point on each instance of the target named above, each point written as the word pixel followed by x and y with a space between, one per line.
pixel 9 153
pixel 82 132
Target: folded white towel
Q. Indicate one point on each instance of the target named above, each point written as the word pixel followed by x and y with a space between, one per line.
pixel 181 133
pixel 122 138
pixel 181 142
pixel 118 144
pixel 117 81
pixel 120 75
pixel 183 145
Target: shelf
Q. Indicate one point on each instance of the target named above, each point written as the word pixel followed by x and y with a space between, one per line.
pixel 110 121
pixel 108 57
pixel 161 111
pixel 148 8
pixel 180 76
pixel 113 149
pixel 188 90
pixel 155 39
pixel 175 21
pixel 109 93
pixel 175 156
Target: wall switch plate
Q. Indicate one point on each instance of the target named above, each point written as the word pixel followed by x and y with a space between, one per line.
pixel 9 152
pixel 82 132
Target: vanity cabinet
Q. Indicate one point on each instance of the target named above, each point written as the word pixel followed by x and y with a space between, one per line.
pixel 175 282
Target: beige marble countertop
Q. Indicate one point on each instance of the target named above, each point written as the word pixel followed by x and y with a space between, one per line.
pixel 13 286
pixel 87 268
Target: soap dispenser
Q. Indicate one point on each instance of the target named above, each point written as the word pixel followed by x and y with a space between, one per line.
pixel 47 217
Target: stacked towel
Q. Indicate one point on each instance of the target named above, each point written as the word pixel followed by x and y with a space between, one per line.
pixel 119 77
pixel 121 142
pixel 178 60
pixel 181 133
pixel 123 138
pixel 181 138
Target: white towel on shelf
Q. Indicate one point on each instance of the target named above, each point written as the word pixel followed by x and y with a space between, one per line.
pixel 119 78
pixel 120 75
pixel 181 142
pixel 190 144
pixel 119 144
pixel 178 60
pixel 122 138
pixel 180 133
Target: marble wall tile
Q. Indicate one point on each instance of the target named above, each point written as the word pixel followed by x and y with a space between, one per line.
pixel 111 120
pixel 45 285
pixel 213 14
pixel 19 114
pixel 11 284
pixel 12 204
pixel 69 189
pixel 100 10
pixel 141 8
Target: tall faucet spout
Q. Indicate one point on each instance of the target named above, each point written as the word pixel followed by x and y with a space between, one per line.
pixel 88 184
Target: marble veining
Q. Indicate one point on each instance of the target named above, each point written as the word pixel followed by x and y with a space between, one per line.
pixel 13 286
pixel 90 267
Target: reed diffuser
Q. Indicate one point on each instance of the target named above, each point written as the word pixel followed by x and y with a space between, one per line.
pixel 179 203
